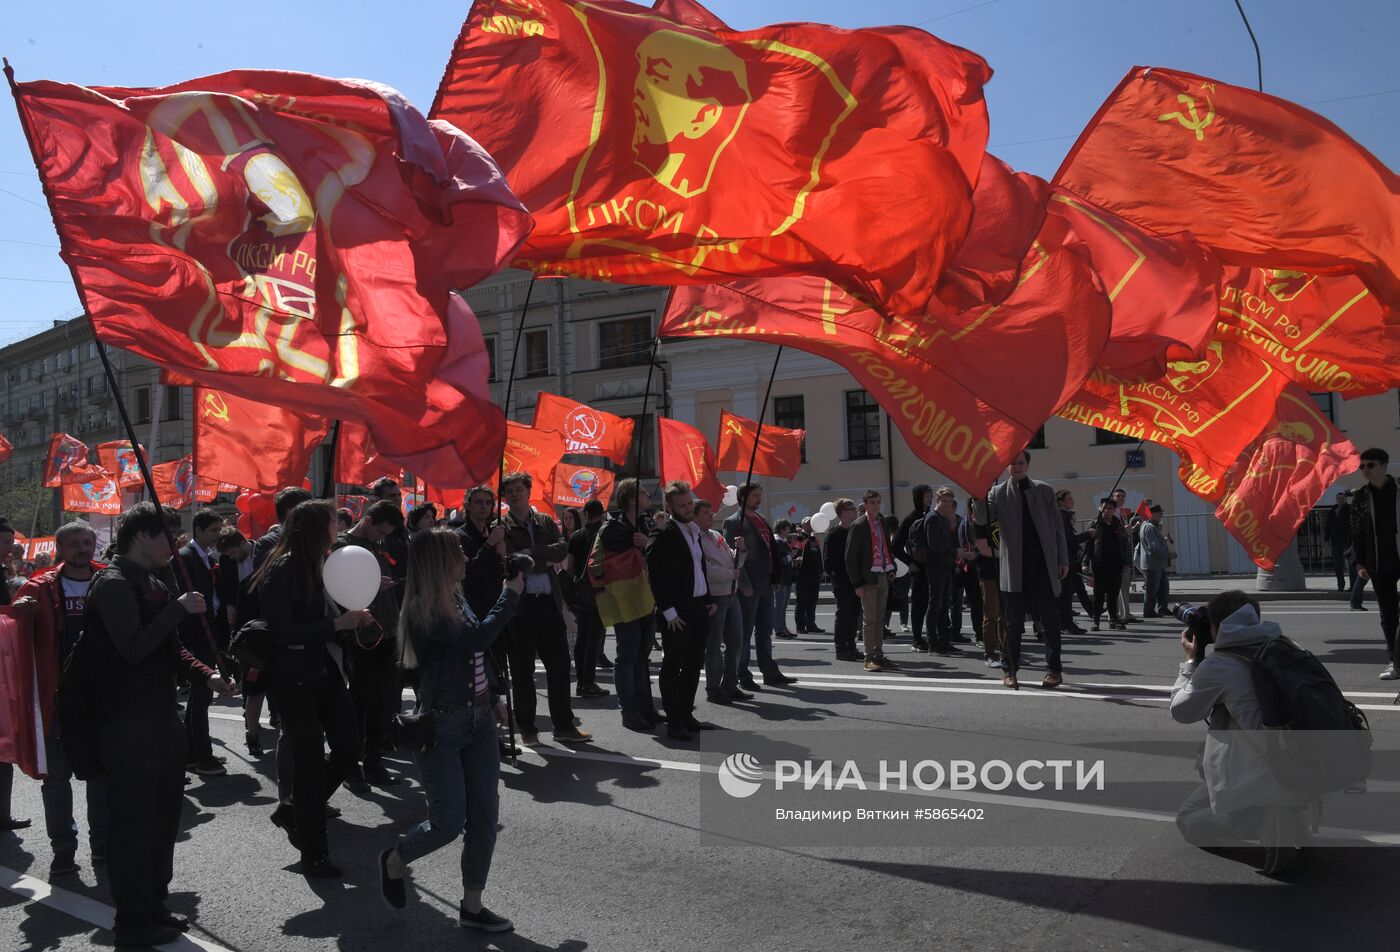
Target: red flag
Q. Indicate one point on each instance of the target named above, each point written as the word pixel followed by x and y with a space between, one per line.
pixel 252 445
pixel 1277 481
pixel 663 147
pixel 175 482
pixel 1260 180
pixel 5 449
pixel 536 452
pixel 584 429
pixel 576 485
pixel 118 458
pixel 290 239
pixel 356 505
pixel 100 497
pixel 779 450
pixel 1142 511
pixel 686 454
pixel 21 727
pixel 357 460
pixel 68 462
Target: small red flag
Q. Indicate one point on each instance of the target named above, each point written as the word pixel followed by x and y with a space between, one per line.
pixel 584 429
pixel 663 147
pixel 68 462
pixel 1260 180
pixel 252 445
pixel 536 452
pixel 5 449
pixel 175 482
pixel 686 455
pixel 118 458
pixel 100 497
pixel 779 450
pixel 576 485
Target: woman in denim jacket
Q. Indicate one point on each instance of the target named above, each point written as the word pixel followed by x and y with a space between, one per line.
pixel 457 683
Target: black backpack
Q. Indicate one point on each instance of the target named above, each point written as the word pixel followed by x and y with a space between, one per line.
pixel 76 712
pixel 916 542
pixel 1321 741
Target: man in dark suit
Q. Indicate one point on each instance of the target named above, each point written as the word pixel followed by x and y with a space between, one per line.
pixel 676 570
pixel 847 602
pixel 200 559
pixel 870 567
pixel 756 587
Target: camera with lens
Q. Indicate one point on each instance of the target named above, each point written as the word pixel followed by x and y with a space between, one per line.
pixel 518 563
pixel 1197 623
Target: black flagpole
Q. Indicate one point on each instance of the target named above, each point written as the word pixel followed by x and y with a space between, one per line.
pixel 758 431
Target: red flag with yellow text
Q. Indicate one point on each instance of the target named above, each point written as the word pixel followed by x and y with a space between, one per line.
pixel 659 146
pixel 686 455
pixel 100 498
pixel 67 462
pixel 584 429
pixel 252 445
pixel 779 450
pixel 1261 181
pixel 290 239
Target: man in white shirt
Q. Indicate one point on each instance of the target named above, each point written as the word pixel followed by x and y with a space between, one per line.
pixel 726 636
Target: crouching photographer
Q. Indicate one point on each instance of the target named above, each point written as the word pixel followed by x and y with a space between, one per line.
pixel 1241 798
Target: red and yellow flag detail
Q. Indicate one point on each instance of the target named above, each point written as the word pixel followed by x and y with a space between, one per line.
pixel 118 458
pixel 68 462
pixel 778 453
pixel 670 149
pixel 100 498
pixel 1261 181
pixel 1268 493
pixel 686 455
pixel 576 485
pixel 252 445
pixel 584 429
pixel 536 452
pixel 290 239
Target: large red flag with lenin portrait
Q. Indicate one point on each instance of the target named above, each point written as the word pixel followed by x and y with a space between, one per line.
pixel 662 147
pixel 686 455
pixel 118 458
pixel 290 239
pixel 584 429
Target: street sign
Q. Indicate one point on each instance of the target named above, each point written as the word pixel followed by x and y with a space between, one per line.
pixel 1137 459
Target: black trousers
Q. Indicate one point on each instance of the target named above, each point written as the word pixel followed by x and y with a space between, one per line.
pixel 1106 586
pixel 683 659
pixel 1388 601
pixel 538 629
pixel 376 690
pixel 144 763
pixel 968 588
pixel 315 716
pixel 197 741
pixel 847 617
pixel 1037 597
pixel 940 605
pixel 918 600
pixel 1072 587
pixel 588 644
pixel 808 590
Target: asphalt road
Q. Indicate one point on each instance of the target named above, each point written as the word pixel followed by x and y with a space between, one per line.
pixel 605 847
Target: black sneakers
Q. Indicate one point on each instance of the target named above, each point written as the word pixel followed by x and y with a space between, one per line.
pixel 485 920
pixel 394 890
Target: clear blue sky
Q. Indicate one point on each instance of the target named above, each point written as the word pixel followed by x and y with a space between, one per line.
pixel 1054 61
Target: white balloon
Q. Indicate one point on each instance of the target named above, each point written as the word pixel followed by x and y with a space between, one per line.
pixel 821 522
pixel 900 569
pixel 351 576
pixel 829 508
pixel 731 495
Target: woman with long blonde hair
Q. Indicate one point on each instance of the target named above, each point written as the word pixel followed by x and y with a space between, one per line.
pixel 458 687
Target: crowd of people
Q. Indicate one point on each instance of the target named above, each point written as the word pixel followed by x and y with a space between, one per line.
pixel 466 606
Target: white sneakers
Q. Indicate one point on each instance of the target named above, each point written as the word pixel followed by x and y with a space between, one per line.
pixel 1389 674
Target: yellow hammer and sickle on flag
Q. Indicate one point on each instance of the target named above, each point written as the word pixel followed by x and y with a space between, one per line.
pixel 1196 123
pixel 215 407
pixel 734 428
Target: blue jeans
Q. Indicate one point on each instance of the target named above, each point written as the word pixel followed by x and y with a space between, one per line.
pixel 723 647
pixel 632 666
pixel 460 777
pixel 57 791
pixel 781 594
pixel 757 612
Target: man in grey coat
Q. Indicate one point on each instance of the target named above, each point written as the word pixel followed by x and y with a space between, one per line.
pixel 1034 558
pixel 1153 558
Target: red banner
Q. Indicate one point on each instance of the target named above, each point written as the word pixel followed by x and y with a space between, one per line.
pixel 21 727
pixel 536 452
pixel 678 150
pixel 576 485
pixel 68 462
pixel 175 482
pixel 252 445
pixel 101 498
pixel 357 460
pixel 686 454
pixel 1260 180
pixel 779 451
pixel 290 239
pixel 118 458
pixel 584 429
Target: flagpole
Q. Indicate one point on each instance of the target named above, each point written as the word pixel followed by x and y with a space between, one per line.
pixel 758 431
pixel 1126 463
pixel 646 396
pixel 328 488
pixel 107 366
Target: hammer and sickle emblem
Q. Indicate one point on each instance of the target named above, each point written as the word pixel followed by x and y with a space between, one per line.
pixel 215 407
pixel 1197 123
pixel 734 428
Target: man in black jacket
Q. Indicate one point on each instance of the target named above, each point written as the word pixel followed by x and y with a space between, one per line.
pixel 1375 544
pixel 484 546
pixel 1339 535
pixel 200 558
pixel 918 577
pixel 756 587
pixel 847 602
pixel 133 649
pixel 1073 583
pixel 396 543
pixel 588 644
pixel 676 570
pixel 809 581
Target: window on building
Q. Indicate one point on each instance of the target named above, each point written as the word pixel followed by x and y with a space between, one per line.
pixel 59 360
pixel 643 438
pixel 789 413
pixel 44 365
pixel 172 407
pixel 1038 441
pixel 73 357
pixel 143 404
pixel 92 350
pixel 862 425
pixel 1109 438
pixel 536 353
pixel 1327 403
pixel 624 343
pixel 491 354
